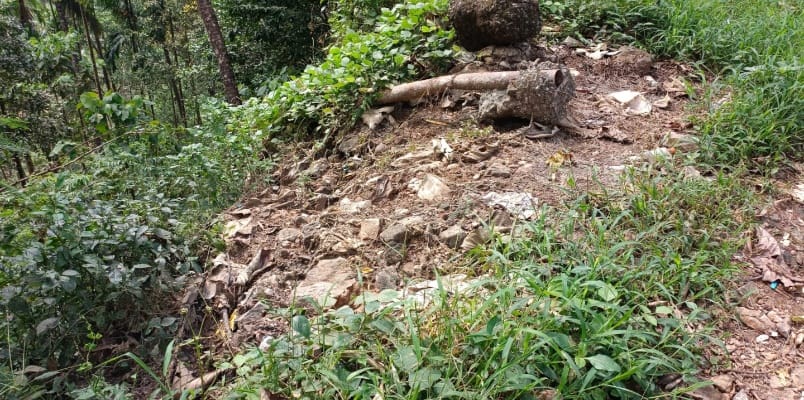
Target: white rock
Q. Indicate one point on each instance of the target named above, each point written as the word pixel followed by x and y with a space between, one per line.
pixel 354 207
pixel 432 188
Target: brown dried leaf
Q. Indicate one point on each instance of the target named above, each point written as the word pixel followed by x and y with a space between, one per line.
pixel 766 245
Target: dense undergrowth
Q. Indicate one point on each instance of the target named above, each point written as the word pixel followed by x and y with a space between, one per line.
pixel 88 253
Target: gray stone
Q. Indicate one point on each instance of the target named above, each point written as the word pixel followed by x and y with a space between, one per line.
pixel 480 23
pixel 741 395
pixel 499 171
pixel 707 393
pixel 432 188
pixel 386 279
pixel 353 207
pixel 633 60
pixel 396 233
pixel 330 283
pixel 453 236
pixel 288 235
pixel 723 382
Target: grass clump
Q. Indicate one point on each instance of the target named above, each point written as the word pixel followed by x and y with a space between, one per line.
pixel 753 45
pixel 593 301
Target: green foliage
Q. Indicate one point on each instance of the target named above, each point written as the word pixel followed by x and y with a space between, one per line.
pixel 757 46
pixel 406 42
pixel 110 112
pixel 356 15
pixel 266 36
pixel 592 301
pixel 753 44
pixel 95 251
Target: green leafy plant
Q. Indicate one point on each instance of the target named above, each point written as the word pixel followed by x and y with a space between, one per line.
pixel 405 42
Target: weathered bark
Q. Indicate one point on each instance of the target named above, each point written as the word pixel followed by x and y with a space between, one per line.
pixel 470 81
pixel 26 19
pixel 29 163
pixel 219 47
pixel 61 11
pixel 539 94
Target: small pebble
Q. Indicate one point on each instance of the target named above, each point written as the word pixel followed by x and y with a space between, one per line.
pixel 762 338
pixel 265 344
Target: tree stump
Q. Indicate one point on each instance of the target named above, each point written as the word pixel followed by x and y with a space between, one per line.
pixel 481 23
pixel 533 95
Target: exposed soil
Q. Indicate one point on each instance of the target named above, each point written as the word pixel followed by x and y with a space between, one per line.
pixel 361 209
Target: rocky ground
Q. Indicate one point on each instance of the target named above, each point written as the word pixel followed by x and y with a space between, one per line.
pixel 406 193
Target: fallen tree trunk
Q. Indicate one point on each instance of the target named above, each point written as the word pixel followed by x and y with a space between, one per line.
pixel 540 94
pixel 471 81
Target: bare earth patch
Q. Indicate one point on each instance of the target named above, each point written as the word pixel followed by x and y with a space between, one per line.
pixel 394 204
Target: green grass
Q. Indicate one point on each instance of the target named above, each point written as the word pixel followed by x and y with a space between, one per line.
pixel 756 46
pixel 753 46
pixel 594 300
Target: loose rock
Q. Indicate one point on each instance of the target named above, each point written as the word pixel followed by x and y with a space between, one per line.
pixel 288 235
pixel 754 319
pixel 432 188
pixel 453 236
pixel 396 233
pixel 630 60
pixel 723 382
pixel 354 207
pixel 370 229
pixel 330 283
pixel 499 171
pixel 707 393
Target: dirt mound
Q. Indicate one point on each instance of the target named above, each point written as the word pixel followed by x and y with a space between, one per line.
pixel 393 203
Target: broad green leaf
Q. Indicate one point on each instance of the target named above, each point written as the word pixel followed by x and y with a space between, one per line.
pixel 603 362
pixel 664 310
pixel 301 325
pixel 167 358
pixel 405 359
pixel 46 325
pixel 424 378
pixel 607 293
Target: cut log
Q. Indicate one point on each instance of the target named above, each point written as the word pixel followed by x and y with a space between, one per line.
pixel 540 94
pixel 480 81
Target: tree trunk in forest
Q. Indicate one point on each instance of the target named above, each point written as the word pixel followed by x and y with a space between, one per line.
pixel 106 75
pixel 61 10
pixel 29 163
pixel 91 53
pixel 131 17
pixel 20 171
pixel 26 19
pixel 174 87
pixel 219 47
